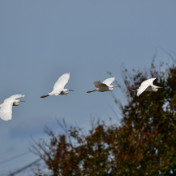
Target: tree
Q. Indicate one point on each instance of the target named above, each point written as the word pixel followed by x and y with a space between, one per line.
pixel 144 143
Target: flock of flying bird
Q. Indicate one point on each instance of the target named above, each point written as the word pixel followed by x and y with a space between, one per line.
pixel 58 89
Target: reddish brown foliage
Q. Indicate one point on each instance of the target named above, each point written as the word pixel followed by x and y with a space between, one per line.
pixel 144 144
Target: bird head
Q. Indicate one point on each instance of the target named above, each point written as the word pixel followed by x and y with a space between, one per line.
pixel 155 88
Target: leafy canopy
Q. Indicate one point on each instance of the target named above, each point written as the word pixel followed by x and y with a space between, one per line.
pixel 144 143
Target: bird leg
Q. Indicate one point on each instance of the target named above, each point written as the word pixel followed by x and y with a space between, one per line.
pixel 91 91
pixel 44 96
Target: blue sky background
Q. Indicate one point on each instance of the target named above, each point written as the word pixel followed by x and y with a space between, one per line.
pixel 41 40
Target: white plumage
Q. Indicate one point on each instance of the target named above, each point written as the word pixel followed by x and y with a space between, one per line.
pixel 104 86
pixel 61 82
pixel 109 81
pixel 147 86
pixel 6 106
pixel 58 88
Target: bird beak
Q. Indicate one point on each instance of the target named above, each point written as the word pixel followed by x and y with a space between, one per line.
pixel 159 87
pixel 22 101
pixel 71 90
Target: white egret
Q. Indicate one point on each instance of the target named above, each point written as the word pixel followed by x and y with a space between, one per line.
pixel 147 86
pixel 58 88
pixel 104 86
pixel 6 106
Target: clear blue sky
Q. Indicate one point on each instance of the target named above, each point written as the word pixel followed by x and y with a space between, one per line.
pixel 41 40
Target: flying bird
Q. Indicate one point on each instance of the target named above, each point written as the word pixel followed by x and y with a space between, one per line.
pixel 58 88
pixel 147 86
pixel 104 86
pixel 6 106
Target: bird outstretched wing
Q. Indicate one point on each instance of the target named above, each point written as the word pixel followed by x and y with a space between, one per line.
pixel 13 97
pixel 141 89
pixel 100 85
pixel 6 111
pixel 148 82
pixel 97 84
pixel 62 81
pixel 109 81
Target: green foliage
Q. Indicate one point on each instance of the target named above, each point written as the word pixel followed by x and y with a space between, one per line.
pixel 144 143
